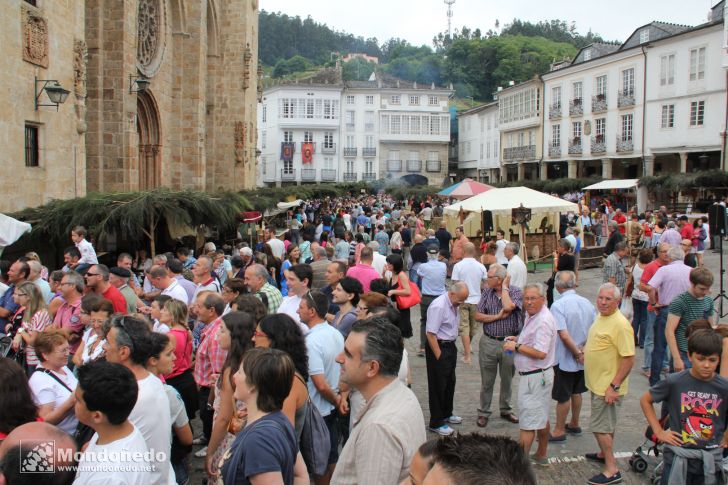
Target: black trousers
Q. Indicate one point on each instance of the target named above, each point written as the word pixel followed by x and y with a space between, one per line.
pixel 441 382
pixel 206 412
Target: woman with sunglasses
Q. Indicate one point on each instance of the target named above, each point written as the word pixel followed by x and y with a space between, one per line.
pixel 235 335
pixel 279 331
pixel 53 384
pixel 35 319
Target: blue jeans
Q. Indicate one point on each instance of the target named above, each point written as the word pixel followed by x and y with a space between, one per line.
pixel 660 350
pixel 639 320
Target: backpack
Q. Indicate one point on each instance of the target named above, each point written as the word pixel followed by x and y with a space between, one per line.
pixel 315 442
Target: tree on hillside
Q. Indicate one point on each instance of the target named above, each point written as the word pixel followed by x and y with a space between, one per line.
pixel 357 70
pixel 296 63
pixel 555 30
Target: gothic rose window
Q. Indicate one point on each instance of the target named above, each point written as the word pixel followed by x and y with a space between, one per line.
pixel 150 36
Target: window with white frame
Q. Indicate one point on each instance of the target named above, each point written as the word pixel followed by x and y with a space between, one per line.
pixel 628 82
pixel 307 136
pixel 328 163
pixel 602 85
pixel 369 141
pixel 394 99
pixel 433 156
pixel 395 126
pixel 329 139
pixel 350 120
pixel 414 100
pixel 576 131
pixel 667 70
pixel 350 141
pixel 350 166
pixel 556 96
pixel 434 125
pixel 495 148
pixel 587 55
pixel 368 166
pixel 668 116
pixel 393 155
pixel 415 125
pixel 577 89
pixel 414 155
pixel 265 113
pixel 697 113
pixel 288 166
pixel 265 165
pixel 288 136
pixel 482 150
pixel 349 99
pixel 263 138
pixel 697 64
pixel 644 36
pixel 627 127
pixel 487 150
pixel 369 121
pixel 309 108
pixel 369 99
pixel 600 128
pixel 521 139
pixel 433 101
pixel 555 135
pixel 468 148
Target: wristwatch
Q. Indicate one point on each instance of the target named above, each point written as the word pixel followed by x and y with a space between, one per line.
pixel 518 346
pixel 615 387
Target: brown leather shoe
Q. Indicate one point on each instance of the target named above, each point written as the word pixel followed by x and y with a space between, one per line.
pixel 510 417
pixel 482 422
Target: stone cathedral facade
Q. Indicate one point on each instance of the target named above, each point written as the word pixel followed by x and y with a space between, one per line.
pixel 162 93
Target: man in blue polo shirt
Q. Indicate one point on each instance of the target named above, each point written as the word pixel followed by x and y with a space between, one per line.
pixel 433 275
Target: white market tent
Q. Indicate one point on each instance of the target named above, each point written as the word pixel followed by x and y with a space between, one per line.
pixel 501 201
pixel 11 230
pixel 623 184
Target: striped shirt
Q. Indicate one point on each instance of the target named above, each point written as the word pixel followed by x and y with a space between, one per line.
pixel 210 356
pixel 273 297
pixel 491 304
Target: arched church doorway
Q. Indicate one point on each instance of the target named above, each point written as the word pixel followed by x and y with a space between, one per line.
pixel 150 163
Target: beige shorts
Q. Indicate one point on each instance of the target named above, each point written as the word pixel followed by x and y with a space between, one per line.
pixel 603 415
pixel 468 325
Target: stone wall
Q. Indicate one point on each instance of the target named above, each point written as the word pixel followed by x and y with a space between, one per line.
pixel 41 42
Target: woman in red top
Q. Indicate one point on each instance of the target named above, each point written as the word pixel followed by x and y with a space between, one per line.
pixel 174 315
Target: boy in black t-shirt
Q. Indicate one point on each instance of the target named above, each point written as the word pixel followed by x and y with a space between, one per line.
pixel 697 402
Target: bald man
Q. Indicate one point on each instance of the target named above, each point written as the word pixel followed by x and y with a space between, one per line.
pixel 32 435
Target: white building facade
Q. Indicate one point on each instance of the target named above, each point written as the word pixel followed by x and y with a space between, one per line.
pixel 686 100
pixel 478 142
pixel 360 130
pixel 520 112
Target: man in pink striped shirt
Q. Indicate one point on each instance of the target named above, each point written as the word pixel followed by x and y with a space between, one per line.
pixel 364 271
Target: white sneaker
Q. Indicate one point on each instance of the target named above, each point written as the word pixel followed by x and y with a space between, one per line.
pixel 454 419
pixel 443 430
pixel 201 453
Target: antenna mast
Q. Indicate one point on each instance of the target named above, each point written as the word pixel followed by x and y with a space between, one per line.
pixel 449 4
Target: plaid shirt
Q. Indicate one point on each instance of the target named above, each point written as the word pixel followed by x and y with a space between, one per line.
pixel 613 268
pixel 491 304
pixel 210 357
pixel 273 297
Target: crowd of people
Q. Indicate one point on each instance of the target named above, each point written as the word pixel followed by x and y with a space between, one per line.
pixel 290 352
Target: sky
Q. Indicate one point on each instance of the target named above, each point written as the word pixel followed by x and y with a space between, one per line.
pixel 418 21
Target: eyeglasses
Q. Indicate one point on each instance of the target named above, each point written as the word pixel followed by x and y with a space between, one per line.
pixel 66 283
pixel 92 274
pixel 64 350
pixel 309 299
pixel 362 308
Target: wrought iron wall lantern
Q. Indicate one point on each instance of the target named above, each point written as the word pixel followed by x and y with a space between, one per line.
pixel 53 90
pixel 141 83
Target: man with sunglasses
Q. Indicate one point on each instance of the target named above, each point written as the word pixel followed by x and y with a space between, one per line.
pixel 97 279
pixel 68 315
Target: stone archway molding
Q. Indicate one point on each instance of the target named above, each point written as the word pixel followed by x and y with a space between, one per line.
pixel 150 136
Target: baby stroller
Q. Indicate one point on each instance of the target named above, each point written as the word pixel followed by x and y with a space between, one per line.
pixel 640 458
pixel 6 343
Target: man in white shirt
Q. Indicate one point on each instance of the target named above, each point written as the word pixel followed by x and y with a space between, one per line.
pixel 516 267
pixel 128 343
pixel 379 261
pixel 298 279
pixel 105 397
pixel 472 273
pixel 276 245
pixel 501 242
pixel 169 285
pixel 202 271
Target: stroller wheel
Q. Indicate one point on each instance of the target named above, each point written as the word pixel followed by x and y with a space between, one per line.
pixel 638 464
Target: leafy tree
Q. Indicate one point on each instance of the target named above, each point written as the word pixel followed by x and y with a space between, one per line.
pixel 289 66
pixel 357 70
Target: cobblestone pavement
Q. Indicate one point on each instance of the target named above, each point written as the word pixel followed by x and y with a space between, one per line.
pixel 567 463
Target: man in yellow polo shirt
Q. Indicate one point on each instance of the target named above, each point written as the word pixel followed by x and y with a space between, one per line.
pixel 608 359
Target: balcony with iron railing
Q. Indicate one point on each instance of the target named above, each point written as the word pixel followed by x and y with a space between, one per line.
pixel 308 175
pixel 433 165
pixel 575 107
pixel 394 165
pixel 626 98
pixel 599 103
pixel 288 174
pixel 328 149
pixel 328 175
pixel 350 152
pixel 625 144
pixel 369 152
pixel 555 111
pixel 554 150
pixel 369 176
pixel 350 176
pixel 575 146
pixel 414 165
pixel 527 152
pixel 598 144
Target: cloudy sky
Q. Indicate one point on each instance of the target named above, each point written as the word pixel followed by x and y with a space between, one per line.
pixel 419 20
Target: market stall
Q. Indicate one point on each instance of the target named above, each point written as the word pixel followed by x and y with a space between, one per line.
pixel 476 214
pixel 625 193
